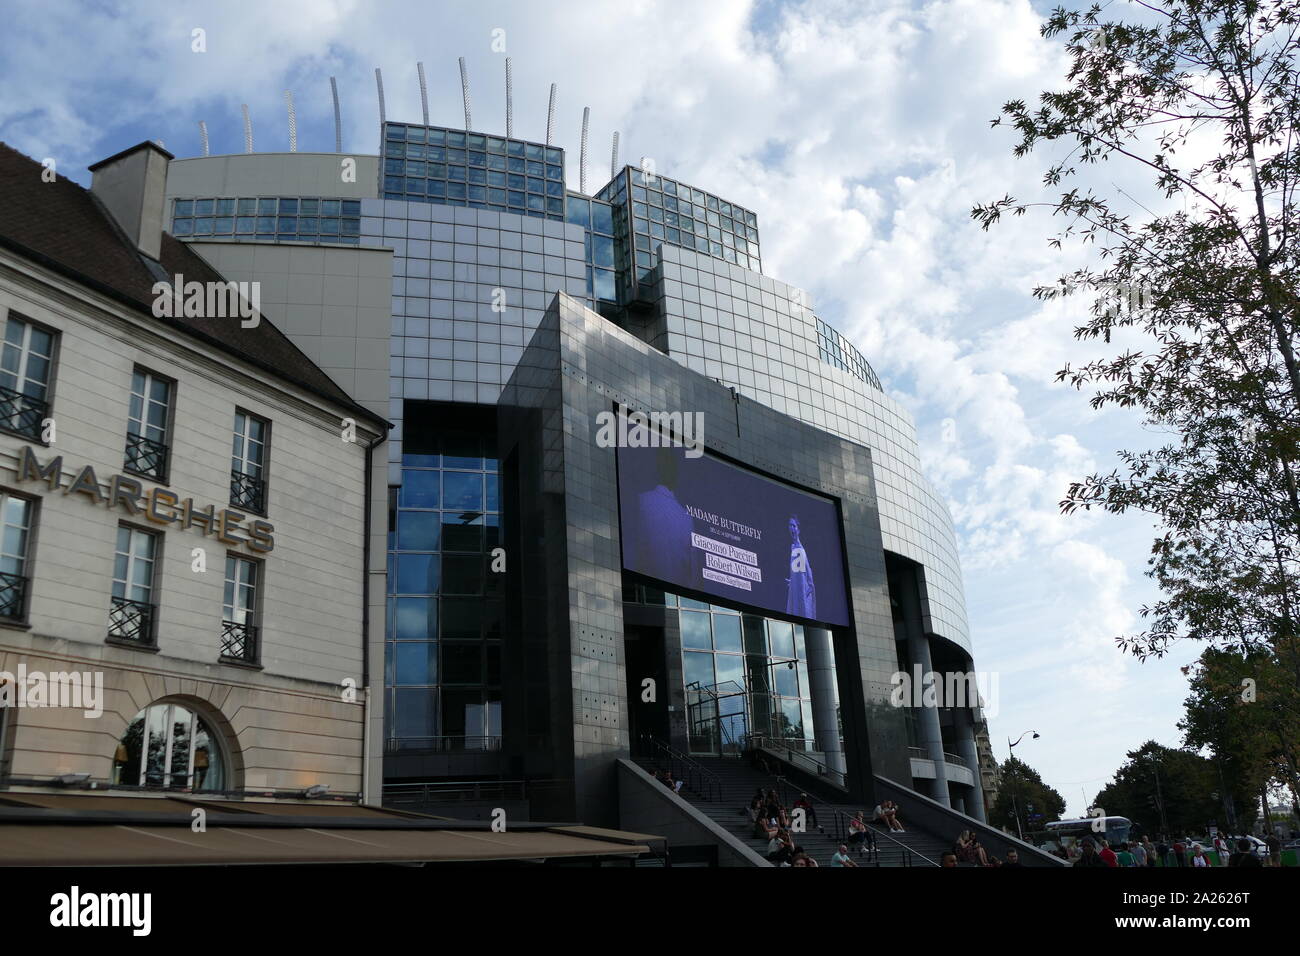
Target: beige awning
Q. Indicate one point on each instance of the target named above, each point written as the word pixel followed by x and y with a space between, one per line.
pixel 310 834
pixel 124 845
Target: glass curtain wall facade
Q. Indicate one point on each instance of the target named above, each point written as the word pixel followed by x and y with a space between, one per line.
pixel 443 648
pixel 597 218
pixel 745 675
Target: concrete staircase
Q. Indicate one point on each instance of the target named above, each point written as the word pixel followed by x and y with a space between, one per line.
pixel 738 781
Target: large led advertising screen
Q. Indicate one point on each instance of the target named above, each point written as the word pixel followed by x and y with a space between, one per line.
pixel 700 523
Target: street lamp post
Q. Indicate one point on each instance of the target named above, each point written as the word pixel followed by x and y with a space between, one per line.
pixel 1015 803
pixel 1160 799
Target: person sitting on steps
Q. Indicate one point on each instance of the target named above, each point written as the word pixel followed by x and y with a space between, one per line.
pixel 887 813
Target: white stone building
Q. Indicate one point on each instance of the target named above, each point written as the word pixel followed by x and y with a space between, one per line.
pixel 185 521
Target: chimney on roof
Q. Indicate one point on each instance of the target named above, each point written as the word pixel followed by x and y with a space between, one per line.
pixel 133 186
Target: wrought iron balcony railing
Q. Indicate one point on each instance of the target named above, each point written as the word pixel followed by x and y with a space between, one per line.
pixel 131 621
pixel 247 491
pixel 21 413
pixel 239 642
pixel 13 595
pixel 146 457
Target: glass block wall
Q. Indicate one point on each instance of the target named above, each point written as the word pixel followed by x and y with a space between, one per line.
pixel 837 350
pixel 458 168
pixel 269 219
pixel 650 210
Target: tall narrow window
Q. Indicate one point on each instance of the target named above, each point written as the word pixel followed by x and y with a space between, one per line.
pixel 248 463
pixel 239 614
pixel 146 433
pixel 131 617
pixel 26 368
pixel 16 514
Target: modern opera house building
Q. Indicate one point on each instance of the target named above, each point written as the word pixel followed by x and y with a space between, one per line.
pixel 641 498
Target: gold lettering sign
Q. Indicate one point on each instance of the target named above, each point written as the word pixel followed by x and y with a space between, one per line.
pixel 156 504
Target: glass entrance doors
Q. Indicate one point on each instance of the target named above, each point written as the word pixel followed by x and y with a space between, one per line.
pixel 745 677
pixel 717 718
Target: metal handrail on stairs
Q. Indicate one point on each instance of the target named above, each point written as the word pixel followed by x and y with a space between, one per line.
pixel 908 852
pixel 842 820
pixel 800 759
pixel 839 821
pixel 692 774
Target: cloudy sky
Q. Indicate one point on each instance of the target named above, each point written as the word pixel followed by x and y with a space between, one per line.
pixel 858 131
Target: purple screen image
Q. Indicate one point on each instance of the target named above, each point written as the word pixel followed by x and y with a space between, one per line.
pixel 709 526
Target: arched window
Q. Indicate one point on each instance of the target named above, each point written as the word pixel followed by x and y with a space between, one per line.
pixel 170 746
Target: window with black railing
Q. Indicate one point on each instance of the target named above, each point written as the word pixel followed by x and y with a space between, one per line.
pixel 247 491
pixel 131 621
pixel 16 514
pixel 239 632
pixel 22 414
pixel 248 462
pixel 239 641
pixel 147 427
pixel 132 612
pixel 26 366
pixel 13 595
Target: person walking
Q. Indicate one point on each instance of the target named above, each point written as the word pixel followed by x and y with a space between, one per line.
pixel 1180 852
pixel 1245 855
pixel 1150 850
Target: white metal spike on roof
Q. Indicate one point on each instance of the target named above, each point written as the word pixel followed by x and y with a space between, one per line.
pixel 293 121
pixel 464 92
pixel 550 117
pixel 582 153
pixel 424 92
pixel 338 117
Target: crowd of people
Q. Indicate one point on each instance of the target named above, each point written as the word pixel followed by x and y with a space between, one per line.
pixel 772 820
pixel 968 849
pixel 1143 853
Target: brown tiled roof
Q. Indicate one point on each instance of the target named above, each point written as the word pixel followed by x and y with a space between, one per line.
pixel 60 225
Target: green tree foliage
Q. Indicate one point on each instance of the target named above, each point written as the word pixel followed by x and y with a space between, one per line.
pixel 1187 783
pixel 1021 787
pixel 1243 708
pixel 1202 96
